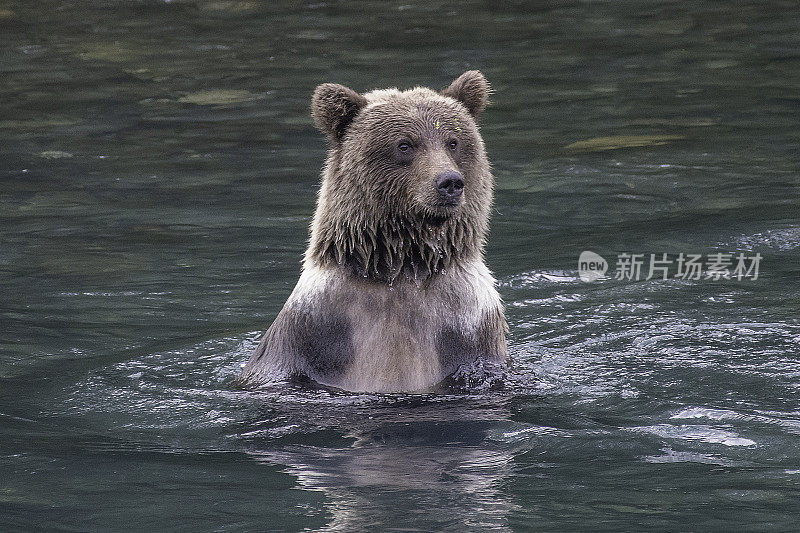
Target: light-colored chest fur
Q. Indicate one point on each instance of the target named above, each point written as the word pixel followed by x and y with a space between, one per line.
pixel 394 329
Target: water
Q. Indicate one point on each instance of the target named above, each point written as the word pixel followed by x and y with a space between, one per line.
pixel 159 169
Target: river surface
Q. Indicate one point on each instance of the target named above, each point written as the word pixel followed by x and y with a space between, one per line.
pixel 158 171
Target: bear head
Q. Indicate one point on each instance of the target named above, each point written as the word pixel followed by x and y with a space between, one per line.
pixel 407 186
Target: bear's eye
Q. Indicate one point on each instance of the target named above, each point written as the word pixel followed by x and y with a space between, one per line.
pixel 452 144
pixel 404 146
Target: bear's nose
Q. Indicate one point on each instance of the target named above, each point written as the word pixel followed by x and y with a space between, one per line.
pixel 450 185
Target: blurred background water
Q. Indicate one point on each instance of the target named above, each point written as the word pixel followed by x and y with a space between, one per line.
pixel 158 170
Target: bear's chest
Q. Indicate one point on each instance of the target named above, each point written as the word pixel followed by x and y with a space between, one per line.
pixel 404 337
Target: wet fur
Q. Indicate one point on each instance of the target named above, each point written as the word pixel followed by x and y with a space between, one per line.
pixel 394 293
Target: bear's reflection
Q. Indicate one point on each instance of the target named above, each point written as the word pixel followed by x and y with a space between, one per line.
pixel 425 467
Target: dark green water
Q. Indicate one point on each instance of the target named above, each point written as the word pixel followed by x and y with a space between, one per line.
pixel 158 170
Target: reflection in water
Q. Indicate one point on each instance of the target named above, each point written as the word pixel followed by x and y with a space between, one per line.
pixel 427 484
pixel 423 462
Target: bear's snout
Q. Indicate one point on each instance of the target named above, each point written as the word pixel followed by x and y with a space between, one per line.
pixel 449 185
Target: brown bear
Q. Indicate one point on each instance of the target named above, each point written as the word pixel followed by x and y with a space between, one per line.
pixel 394 293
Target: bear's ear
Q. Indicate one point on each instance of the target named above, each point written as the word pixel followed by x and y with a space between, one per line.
pixel 334 107
pixel 471 89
